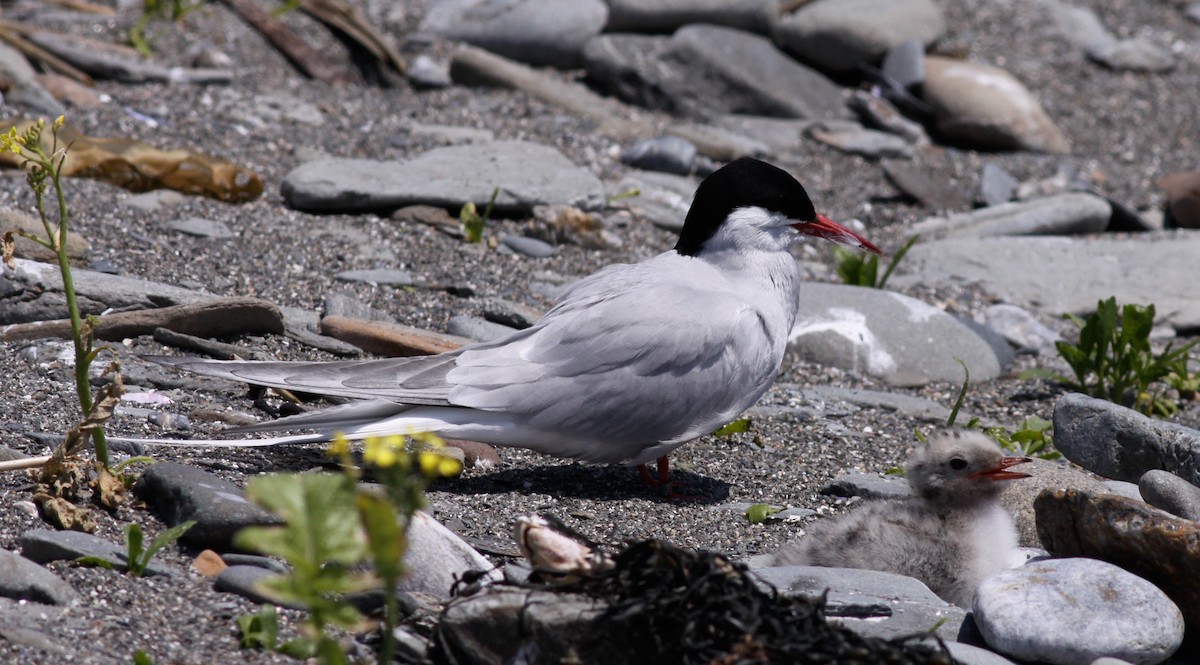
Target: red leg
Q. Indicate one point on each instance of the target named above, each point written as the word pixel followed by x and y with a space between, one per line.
pixel 664 483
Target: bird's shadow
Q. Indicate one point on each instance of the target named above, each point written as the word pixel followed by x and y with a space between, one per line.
pixel 585 481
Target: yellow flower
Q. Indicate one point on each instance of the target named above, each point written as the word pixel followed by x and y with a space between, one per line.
pixel 434 465
pixel 58 122
pixel 340 446
pixel 385 452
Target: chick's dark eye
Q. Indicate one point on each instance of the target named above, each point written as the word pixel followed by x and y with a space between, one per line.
pixel 958 464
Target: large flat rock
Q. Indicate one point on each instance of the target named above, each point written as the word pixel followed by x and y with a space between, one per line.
pixel 527 174
pixel 1059 275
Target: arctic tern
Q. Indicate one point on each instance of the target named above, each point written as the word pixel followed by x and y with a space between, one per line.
pixel 630 363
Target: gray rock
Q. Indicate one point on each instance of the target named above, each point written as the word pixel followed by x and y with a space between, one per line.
pixel 436 557
pixel 839 35
pixel 887 335
pixel 528 174
pixel 33 292
pixel 531 247
pixel 1078 25
pixel 155 200
pixel 1135 54
pixel 1150 543
pixel 1171 493
pixel 662 198
pixel 1117 442
pixel 1192 11
pixel 538 32
pixel 22 579
pixel 1082 610
pixel 780 135
pixel 909 406
pixel 236 559
pixel 870 602
pixel 868 143
pixel 1072 213
pixel 996 185
pixel 426 73
pixel 719 143
pixel 1019 495
pixel 669 154
pixel 510 314
pixel 868 486
pixel 1020 327
pixel 1122 488
pixel 706 70
pixel 107 63
pixel 1152 267
pixel 380 276
pixel 973 655
pixel 924 187
pixel 23 88
pixel 668 15
pixel 44 546
pixel 201 228
pixel 904 63
pixel 178 492
pixel 479 330
pixel 986 107
pixel 243 580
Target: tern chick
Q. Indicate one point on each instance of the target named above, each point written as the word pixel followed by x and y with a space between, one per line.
pixel 950 535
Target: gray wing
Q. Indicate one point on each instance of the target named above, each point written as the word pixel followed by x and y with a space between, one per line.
pixel 622 358
pixel 416 380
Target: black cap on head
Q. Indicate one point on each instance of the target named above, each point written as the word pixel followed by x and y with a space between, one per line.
pixel 741 183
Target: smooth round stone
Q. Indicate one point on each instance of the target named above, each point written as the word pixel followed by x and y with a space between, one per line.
pixel 1073 611
pixel 669 154
pixel 1163 489
pixel 531 247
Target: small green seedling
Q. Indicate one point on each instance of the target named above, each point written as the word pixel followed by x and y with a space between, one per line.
pixel 736 427
pixel 1113 359
pixel 137 555
pixel 1030 440
pixel 472 221
pixel 260 630
pixel 141 658
pixel 858 269
pixel 759 512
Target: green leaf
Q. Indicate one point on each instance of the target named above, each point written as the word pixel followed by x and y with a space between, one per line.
pixel 160 541
pixel 759 512
pixel 385 537
pixel 133 549
pixel 320 514
pixel 895 471
pixel 94 561
pixel 141 658
pixel 259 630
pixel 736 427
pixel 962 393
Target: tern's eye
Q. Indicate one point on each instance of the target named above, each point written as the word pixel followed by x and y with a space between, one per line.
pixel 958 464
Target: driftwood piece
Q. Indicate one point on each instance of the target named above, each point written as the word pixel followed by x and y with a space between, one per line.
pixel 305 58
pixel 16 35
pixel 219 317
pixel 341 16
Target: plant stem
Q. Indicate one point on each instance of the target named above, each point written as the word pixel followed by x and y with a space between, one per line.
pixel 82 346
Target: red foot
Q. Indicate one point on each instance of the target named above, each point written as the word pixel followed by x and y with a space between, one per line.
pixel 665 485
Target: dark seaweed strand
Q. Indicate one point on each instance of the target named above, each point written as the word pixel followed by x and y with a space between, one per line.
pixel 699 608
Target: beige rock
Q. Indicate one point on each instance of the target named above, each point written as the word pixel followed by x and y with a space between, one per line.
pixel 389 339
pixel 1183 198
pixel 988 108
pixel 1144 540
pixel 78 248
